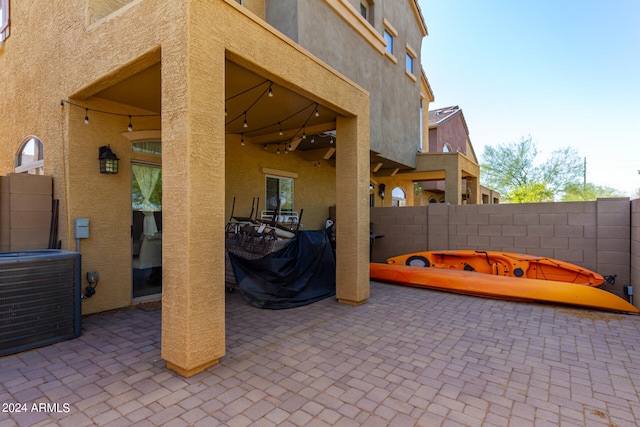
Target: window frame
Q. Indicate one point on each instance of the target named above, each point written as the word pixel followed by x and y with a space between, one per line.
pixel 389 34
pixel 367 7
pixel 35 167
pixel 408 63
pixel 270 206
pixel 410 57
pixel 389 39
pixel 5 20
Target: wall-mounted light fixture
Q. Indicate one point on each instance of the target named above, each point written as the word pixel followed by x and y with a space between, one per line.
pixel 381 188
pixel 108 160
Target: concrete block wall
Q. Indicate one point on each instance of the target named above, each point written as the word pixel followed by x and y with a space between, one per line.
pixel 25 211
pixel 595 235
pixel 635 249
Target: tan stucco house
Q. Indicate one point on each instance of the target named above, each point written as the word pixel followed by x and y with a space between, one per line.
pixel 203 103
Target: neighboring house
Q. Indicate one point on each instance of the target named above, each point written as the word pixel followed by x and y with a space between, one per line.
pixel 454 163
pixel 312 103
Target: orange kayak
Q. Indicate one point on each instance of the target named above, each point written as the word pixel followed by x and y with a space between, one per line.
pixel 502 264
pixel 501 287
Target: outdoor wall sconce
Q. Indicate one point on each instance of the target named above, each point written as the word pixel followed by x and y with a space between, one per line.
pixel 381 188
pixel 108 160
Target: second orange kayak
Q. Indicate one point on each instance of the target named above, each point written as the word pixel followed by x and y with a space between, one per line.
pixel 501 287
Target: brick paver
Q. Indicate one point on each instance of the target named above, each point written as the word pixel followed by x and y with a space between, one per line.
pixel 407 357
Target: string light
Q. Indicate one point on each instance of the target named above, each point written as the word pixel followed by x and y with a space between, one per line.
pixel 280 124
pixel 242 139
pixel 245 124
pixel 87 110
pixel 316 113
pixel 270 94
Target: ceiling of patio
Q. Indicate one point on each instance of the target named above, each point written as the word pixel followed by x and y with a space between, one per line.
pixel 272 120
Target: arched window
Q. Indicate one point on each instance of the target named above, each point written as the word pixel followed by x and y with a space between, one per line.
pixel 399 197
pixel 30 157
pixel 446 148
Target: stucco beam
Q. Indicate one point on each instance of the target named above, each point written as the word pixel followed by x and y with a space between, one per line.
pixel 309 77
pixel 119 74
pixel 435 175
pixel 375 167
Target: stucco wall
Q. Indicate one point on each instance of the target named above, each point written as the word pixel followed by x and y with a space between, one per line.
pixel 596 235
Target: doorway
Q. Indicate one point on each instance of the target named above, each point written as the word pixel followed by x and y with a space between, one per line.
pixel 146 231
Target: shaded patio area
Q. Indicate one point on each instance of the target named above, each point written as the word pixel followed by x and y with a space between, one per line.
pixel 406 357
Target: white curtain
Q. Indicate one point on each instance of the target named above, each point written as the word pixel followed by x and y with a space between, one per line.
pixel 147 178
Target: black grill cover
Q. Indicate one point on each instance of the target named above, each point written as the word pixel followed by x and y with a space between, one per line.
pixel 301 273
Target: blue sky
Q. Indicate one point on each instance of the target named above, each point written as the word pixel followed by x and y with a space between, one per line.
pixel 565 72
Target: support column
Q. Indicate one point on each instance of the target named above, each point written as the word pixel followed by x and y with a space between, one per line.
pixel 193 301
pixel 453 185
pixel 352 209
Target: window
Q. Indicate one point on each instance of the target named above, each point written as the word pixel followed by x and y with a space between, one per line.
pixel 30 157
pixel 389 35
pixel 4 20
pixel 279 189
pixel 239 1
pixel 398 197
pixel 409 63
pixel 388 38
pixel 366 10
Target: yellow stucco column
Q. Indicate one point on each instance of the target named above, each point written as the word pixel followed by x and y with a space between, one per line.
pixel 352 210
pixel 453 185
pixel 193 329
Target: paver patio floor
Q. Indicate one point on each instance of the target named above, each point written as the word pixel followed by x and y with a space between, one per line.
pixel 406 357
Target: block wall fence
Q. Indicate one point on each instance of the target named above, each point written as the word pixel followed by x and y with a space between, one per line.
pixel 603 236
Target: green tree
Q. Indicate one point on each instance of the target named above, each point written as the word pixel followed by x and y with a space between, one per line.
pixel 512 170
pixel 582 192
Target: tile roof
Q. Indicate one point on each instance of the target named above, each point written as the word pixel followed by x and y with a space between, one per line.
pixel 441 114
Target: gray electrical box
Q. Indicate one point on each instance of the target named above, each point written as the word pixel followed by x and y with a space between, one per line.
pixel 81 228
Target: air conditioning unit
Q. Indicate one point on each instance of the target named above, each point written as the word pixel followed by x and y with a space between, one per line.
pixel 40 299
